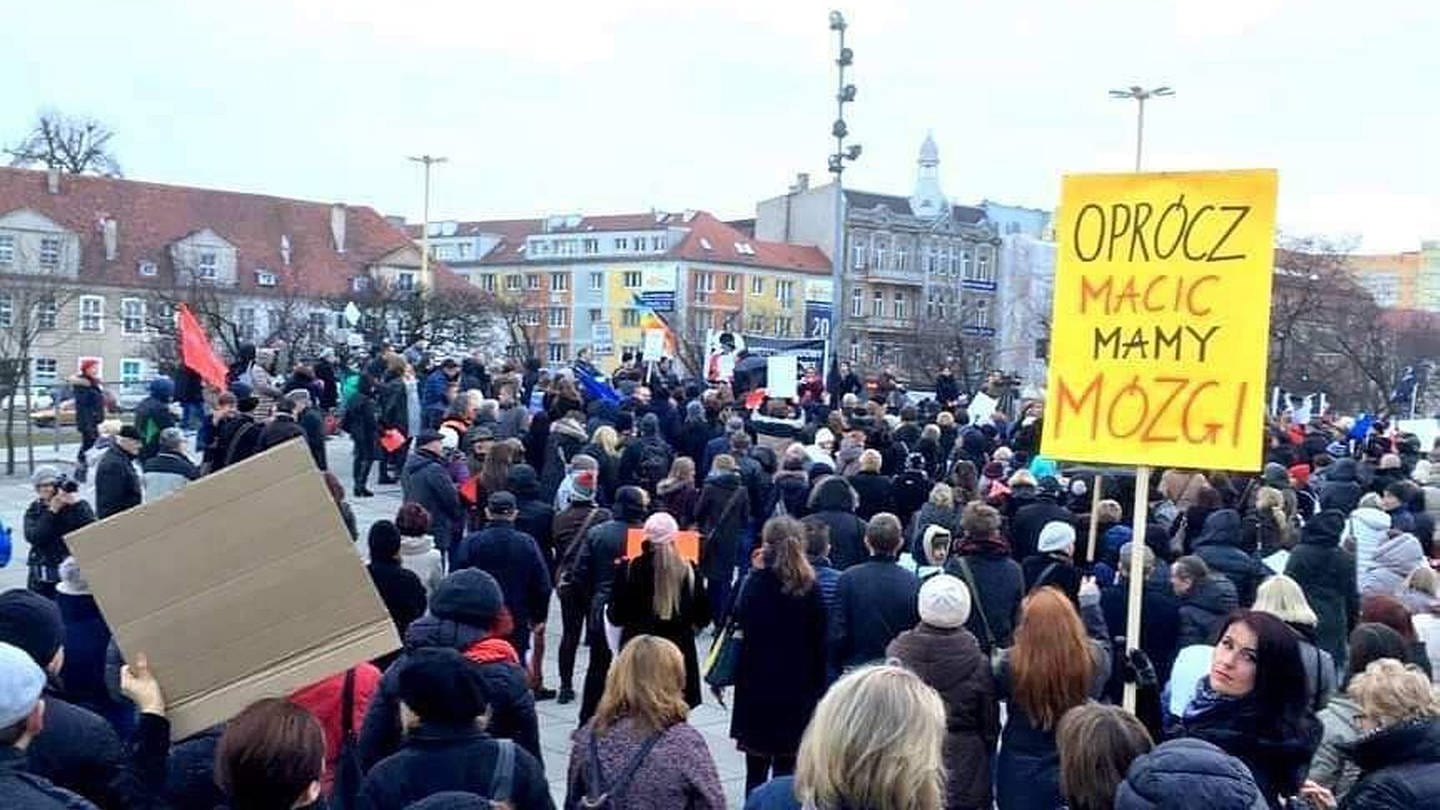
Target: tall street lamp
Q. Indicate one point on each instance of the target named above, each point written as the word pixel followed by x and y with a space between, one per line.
pixel 1141 95
pixel 844 94
pixel 429 161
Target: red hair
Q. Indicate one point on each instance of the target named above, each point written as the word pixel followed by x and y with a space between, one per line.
pixel 1050 664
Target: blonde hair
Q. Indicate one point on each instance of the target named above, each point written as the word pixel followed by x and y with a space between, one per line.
pixel 646 684
pixel 942 495
pixel 945 419
pixel 1022 478
pixel 607 440
pixel 870 461
pixel 874 741
pixel 1270 502
pixel 1110 511
pixel 682 469
pixel 723 463
pixel 1390 692
pixel 1283 598
pixel 673 576
pixel 1423 579
pixel 110 427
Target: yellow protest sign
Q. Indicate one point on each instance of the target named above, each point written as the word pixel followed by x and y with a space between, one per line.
pixel 1160 328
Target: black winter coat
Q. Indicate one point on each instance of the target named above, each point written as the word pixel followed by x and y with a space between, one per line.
pixel 45 531
pixel 632 610
pixel 426 482
pixel 781 671
pixel 999 589
pixel 601 550
pixel 360 421
pixel 1219 545
pixel 89 403
pixel 1202 609
pixel 1399 766
pixel 514 559
pixel 1278 762
pixel 312 421
pixel 20 789
pixel 281 429
pixel 792 488
pixel 1029 520
pixel 1159 621
pixel 722 514
pixel 565 440
pixel 394 406
pixel 875 492
pixel 908 493
pixel 952 662
pixel 1055 571
pixel 833 504
pixel 436 758
pixel 1341 490
pixel 512 705
pixel 1326 573
pixel 190 772
pixel 400 590
pixel 876 603
pixel 117 484
pixel 77 750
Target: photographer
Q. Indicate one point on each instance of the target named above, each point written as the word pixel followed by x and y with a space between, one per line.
pixel 56 511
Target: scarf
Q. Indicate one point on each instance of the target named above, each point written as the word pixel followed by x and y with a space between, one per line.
pixel 492 650
pixel 993 545
pixel 1207 701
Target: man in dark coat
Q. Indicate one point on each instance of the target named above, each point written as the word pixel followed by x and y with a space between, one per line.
pixel 597 551
pixel 236 433
pixel 534 514
pixel 312 421
pixel 1206 598
pixel 515 560
pixel 76 749
pixel 646 460
pixel 153 415
pixel 997 585
pixel 1221 546
pixel 283 426
pixel 465 613
pixel 833 502
pixel 427 483
pixel 1031 518
pixel 117 483
pixel 1159 616
pixel 1326 573
pixel 393 413
pixel 876 599
pixel 1341 489
pixel 445 749
pixel 53 514
pixel 1053 564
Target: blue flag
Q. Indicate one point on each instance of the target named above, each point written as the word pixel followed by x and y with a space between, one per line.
pixel 595 389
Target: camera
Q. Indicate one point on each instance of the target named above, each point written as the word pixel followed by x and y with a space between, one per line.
pixel 67 484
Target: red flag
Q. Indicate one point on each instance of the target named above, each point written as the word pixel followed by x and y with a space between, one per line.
pixel 195 351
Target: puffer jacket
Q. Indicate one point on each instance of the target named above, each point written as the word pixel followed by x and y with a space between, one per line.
pixel 1219 545
pixel 419 555
pixel 1364 531
pixel 1327 575
pixel 1400 767
pixel 1391 564
pixel 792 488
pixel 950 660
pixel 1331 767
pixel 1202 609
pixel 1341 489
pixel 833 503
pixel 1188 774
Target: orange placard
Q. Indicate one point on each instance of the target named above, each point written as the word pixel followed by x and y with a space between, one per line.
pixel 392 440
pixel 686 542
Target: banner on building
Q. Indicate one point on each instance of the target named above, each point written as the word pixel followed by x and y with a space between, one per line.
pixel 1160 326
pixel 809 351
pixel 657 288
pixel 819 308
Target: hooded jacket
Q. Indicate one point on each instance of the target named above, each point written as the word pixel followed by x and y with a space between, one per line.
pixel 1392 562
pixel 419 556
pixel 1326 573
pixel 153 415
pixel 1342 489
pixel 1400 766
pixel 1364 531
pixel 1188 774
pixel 832 502
pixel 1219 546
pixel 1208 602
pixel 566 438
pixel 426 482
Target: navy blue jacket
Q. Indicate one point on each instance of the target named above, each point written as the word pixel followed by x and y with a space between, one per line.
pixel 426 482
pixel 514 559
pixel 1188 774
pixel 436 759
pixel 876 603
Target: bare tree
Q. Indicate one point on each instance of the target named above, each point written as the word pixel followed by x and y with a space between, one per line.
pixel 462 318
pixel 74 145
pixel 33 318
pixel 957 342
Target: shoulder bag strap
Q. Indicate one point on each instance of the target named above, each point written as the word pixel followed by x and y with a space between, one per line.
pixel 976 600
pixel 734 499
pixel 1044 575
pixel 617 788
pixel 573 549
pixel 347 705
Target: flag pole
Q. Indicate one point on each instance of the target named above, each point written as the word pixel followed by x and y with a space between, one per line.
pixel 1137 574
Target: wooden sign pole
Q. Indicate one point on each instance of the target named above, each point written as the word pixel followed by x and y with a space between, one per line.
pixel 1137 573
pixel 1096 484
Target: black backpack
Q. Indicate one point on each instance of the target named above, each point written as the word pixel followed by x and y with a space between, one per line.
pixel 654 462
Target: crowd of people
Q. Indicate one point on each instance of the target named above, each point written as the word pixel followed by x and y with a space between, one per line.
pixel 906 606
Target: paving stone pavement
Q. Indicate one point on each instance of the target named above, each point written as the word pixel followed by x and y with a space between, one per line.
pixel 556 721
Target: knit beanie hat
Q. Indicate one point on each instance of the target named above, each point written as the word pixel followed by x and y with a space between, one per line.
pixel 1057 535
pixel 468 596
pixel 21 682
pixel 660 529
pixel 1301 474
pixel 441 686
pixel 1275 475
pixel 944 602
pixel 32 623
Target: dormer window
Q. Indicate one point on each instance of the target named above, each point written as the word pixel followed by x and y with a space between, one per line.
pixel 264 278
pixel 148 269
pixel 207 265
pixel 359 284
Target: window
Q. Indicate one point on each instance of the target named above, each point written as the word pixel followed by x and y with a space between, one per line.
pixel 965 262
pixel 559 282
pixel 757 285
pixel 589 245
pixel 148 269
pixel 559 352
pixel 704 282
pixel 50 252
pixel 532 317
pixel 47 314
pixel 854 352
pixel 597 282
pixel 757 324
pixel 532 281
pixel 899 306
pixel 265 278
pixel 359 283
pixel 132 370
pixel 982 313
pixel 92 313
pixel 901 257
pixel 784 292
pixel 732 282
pixel 657 243
pixel 132 316
pixel 880 253
pixel 7 310
pixel 877 304
pixel 982 264
pixel 857 302
pixel 44 370
pixel 245 322
pixel 630 317
pixel 559 317
pixel 631 279
pixel 462 249
pixel 206 265
pixel 405 282
pixel 622 243
pixel 783 326
pixel 857 252
pixel 512 282
pixel 7 249
pixel 596 316
pixel 487 281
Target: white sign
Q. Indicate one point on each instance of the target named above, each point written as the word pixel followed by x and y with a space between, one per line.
pixel 654 345
pixel 352 313
pixel 982 408
pixel 602 339
pixel 780 378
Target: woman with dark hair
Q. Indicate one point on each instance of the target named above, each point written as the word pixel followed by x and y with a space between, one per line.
pixel 965 479
pixel 1053 667
pixel 781 671
pixel 1391 612
pixel 1331 768
pixel 1248 705
pixel 271 757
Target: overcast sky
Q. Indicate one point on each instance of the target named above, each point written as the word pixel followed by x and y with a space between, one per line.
pixel 620 105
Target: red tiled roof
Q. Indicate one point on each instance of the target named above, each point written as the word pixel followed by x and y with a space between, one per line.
pixel 151 217
pixel 724 241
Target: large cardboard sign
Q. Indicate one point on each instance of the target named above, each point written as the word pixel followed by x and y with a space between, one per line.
pixel 240 586
pixel 1161 319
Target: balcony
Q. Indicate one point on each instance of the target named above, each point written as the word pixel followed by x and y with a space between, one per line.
pixel 886 271
pixel 885 323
